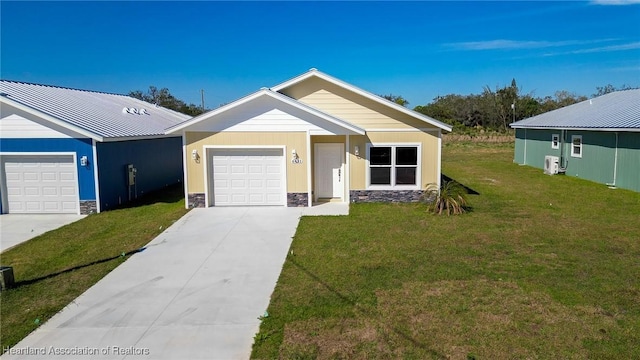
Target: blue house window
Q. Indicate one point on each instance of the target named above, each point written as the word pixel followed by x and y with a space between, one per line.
pixel 555 141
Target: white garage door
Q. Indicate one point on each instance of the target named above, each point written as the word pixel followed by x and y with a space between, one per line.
pixel 40 184
pixel 247 177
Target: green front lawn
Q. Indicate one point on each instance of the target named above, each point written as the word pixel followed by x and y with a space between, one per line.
pixel 53 269
pixel 543 267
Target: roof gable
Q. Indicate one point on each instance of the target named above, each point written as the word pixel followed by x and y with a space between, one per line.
pixel 20 125
pixel 266 110
pixel 619 110
pixel 361 97
pixel 97 115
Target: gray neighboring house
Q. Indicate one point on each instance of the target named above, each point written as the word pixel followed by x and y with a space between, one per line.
pixel 597 139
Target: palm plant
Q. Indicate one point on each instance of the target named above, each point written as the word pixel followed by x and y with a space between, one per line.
pixel 450 198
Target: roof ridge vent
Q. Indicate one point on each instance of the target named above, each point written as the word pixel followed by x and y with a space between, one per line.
pixel 132 110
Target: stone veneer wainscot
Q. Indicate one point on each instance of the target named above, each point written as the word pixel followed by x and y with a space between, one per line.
pixel 397 196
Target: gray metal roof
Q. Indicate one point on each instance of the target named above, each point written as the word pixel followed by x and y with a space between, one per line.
pixel 618 110
pixel 99 113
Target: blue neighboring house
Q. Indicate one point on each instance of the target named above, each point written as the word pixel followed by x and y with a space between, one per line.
pixel 75 151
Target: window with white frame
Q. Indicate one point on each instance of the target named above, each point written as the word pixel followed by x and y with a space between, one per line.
pixel 393 166
pixel 576 146
pixel 555 141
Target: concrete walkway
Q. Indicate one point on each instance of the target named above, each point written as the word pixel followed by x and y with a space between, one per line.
pixel 18 228
pixel 196 292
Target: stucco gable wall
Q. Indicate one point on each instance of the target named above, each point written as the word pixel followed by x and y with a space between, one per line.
pixel 350 106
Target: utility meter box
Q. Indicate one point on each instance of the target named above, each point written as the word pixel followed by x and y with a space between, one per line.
pixel 131 175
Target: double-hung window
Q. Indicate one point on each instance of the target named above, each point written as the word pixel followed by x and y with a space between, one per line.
pixel 576 146
pixel 555 141
pixel 394 166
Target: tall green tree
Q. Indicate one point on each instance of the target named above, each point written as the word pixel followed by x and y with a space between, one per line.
pixel 603 90
pixel 162 97
pixel 396 99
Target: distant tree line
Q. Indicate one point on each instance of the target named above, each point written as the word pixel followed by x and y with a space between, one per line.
pixel 162 97
pixel 492 109
pixel 496 109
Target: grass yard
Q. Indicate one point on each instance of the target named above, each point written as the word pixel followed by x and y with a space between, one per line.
pixel 544 267
pixel 53 269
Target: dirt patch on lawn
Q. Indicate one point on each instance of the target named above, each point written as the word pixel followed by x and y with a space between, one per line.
pixel 454 320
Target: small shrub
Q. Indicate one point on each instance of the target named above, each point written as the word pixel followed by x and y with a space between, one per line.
pixel 450 198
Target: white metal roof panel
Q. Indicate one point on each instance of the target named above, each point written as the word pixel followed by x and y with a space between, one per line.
pixel 619 110
pixel 97 112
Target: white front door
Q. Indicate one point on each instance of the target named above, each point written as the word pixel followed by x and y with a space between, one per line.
pixel 329 171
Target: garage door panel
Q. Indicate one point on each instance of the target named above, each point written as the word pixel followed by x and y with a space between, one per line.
pixel 49 176
pixel 51 206
pixel 40 183
pixel 239 198
pixel 247 177
pixel 238 184
pixel 34 206
pixel 69 206
pixel 12 176
pixel 255 169
pixel 30 176
pixel 67 176
pixel 67 191
pixel 49 191
pixel 31 191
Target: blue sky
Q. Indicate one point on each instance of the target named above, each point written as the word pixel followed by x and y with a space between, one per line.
pixel 415 49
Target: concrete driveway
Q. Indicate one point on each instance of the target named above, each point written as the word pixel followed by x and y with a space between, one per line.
pixel 196 292
pixel 18 228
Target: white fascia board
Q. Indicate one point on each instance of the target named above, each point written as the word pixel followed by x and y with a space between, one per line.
pixel 364 93
pixel 51 119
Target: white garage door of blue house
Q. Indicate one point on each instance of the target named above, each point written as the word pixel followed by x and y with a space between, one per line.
pixel 40 184
pixel 242 177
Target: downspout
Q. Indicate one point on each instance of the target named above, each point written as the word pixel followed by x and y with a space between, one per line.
pixel 615 165
pixel 185 178
pixel 94 147
pixel 563 165
pixel 309 172
pixel 524 159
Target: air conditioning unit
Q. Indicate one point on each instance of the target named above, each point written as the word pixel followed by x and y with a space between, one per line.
pixel 551 165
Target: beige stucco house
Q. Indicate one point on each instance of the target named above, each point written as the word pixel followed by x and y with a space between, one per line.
pixel 313 138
